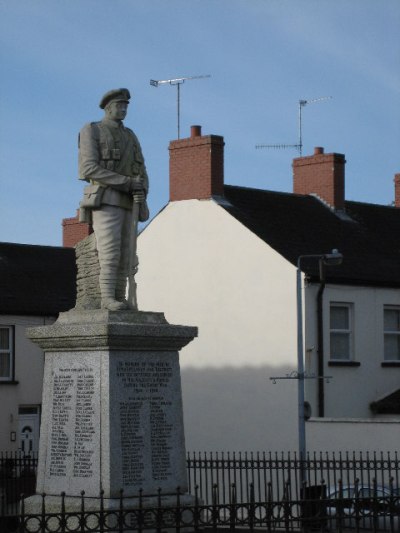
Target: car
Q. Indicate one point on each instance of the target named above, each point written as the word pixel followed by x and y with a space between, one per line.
pixel 363 506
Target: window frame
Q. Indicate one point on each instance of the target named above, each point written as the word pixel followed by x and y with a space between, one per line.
pixel 385 332
pixel 349 332
pixel 11 336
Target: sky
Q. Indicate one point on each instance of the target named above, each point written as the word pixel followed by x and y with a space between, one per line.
pixel 58 57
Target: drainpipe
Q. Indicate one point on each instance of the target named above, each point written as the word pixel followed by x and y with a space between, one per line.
pixel 320 350
pixel 320 341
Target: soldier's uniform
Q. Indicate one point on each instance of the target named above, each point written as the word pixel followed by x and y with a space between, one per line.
pixel 110 158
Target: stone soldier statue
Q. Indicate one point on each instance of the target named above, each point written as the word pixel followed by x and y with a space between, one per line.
pixel 111 160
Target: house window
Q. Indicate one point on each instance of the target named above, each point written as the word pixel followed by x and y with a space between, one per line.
pixel 341 332
pixel 391 327
pixel 6 353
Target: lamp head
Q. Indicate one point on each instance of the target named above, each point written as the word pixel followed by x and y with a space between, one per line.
pixel 334 258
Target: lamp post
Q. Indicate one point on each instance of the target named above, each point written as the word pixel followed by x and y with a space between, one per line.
pixel 333 258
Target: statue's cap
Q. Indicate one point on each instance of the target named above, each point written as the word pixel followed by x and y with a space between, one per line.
pixel 119 95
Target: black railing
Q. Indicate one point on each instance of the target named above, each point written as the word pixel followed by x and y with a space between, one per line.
pixel 321 512
pixel 17 476
pixel 262 469
pixel 231 490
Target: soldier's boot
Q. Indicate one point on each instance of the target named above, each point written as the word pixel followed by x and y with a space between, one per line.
pixel 108 297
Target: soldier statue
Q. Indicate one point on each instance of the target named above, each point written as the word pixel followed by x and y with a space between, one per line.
pixel 111 160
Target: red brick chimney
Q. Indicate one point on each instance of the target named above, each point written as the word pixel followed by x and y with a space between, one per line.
pixel 74 231
pixel 196 166
pixel 320 174
pixel 397 190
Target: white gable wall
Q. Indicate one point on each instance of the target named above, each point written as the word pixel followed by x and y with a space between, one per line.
pixel 202 267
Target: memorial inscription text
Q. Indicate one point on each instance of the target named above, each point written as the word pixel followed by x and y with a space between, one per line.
pixel 72 438
pixel 144 411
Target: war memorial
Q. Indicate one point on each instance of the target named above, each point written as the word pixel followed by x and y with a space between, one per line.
pixel 112 448
pixel 112 421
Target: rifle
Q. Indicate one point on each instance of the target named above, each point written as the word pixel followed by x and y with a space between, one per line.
pixel 133 263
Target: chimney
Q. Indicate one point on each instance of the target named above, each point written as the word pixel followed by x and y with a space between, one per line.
pixel 74 231
pixel 196 166
pixel 397 190
pixel 320 174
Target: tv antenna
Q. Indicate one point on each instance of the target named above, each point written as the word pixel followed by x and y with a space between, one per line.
pixel 178 82
pixel 299 145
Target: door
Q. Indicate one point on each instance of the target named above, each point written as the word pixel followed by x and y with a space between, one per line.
pixel 28 430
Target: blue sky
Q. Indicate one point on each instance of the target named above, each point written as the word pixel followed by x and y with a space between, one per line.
pixel 58 57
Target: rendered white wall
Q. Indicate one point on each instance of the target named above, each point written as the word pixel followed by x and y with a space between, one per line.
pixel 202 267
pixel 339 435
pixel 352 389
pixel 29 361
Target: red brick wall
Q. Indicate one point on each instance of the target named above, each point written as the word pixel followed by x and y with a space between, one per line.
pixel 321 174
pixel 74 231
pixel 397 190
pixel 196 166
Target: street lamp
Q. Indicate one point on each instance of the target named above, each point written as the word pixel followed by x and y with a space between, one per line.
pixel 330 259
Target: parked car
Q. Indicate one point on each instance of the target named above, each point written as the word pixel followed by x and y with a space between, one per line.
pixel 366 507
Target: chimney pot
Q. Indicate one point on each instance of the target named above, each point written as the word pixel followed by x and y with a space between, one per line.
pixel 195 131
pixel 318 150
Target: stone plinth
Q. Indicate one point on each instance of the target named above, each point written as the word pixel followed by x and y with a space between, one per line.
pixel 112 404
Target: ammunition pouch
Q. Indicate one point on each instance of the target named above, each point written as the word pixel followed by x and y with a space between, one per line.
pixel 92 196
pixel 85 215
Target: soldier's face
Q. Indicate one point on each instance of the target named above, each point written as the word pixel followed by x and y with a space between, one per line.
pixel 117 110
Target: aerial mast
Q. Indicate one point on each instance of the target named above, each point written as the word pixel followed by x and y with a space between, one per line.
pixel 299 145
pixel 178 82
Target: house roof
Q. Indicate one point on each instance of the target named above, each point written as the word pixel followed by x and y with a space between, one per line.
pixel 294 225
pixel 36 280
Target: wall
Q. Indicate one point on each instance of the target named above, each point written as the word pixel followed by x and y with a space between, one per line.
pixel 353 388
pixel 29 361
pixel 202 267
pixel 341 435
pixel 239 409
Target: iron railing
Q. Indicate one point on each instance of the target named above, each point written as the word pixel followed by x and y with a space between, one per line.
pixel 17 476
pixel 262 469
pixel 231 490
pixel 335 513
